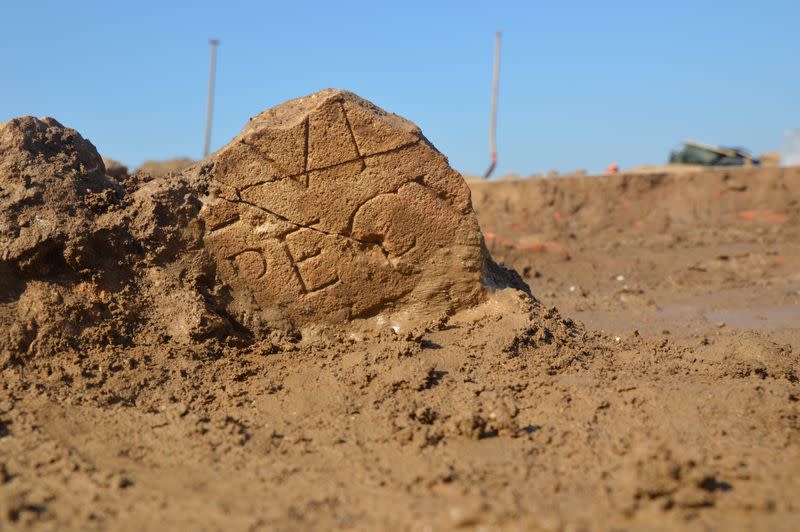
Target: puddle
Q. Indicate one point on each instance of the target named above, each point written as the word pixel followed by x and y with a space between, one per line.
pixel 783 317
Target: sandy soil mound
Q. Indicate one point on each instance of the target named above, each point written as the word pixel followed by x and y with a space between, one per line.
pixel 116 169
pixel 165 167
pixel 310 216
pixel 327 208
pixel 83 261
pixel 525 215
pixel 143 386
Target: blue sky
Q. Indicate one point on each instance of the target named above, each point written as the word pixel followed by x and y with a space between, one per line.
pixel 583 84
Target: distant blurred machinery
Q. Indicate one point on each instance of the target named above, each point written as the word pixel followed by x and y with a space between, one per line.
pixel 706 154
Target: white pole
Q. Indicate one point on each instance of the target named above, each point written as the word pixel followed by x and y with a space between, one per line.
pixel 493 121
pixel 210 104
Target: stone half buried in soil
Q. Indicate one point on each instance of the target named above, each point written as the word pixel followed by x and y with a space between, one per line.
pixel 327 208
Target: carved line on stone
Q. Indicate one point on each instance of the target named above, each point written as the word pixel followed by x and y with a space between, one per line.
pixel 420 180
pixel 281 171
pixel 391 192
pixel 305 175
pixel 282 237
pixel 300 279
pixel 232 259
pixel 264 182
pixel 311 227
pixel 294 267
pixel 326 285
pixel 317 254
pixel 379 245
pixel 224 225
pixel 352 136
pixel 307 125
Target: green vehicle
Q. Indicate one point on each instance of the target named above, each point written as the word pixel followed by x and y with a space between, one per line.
pixel 705 154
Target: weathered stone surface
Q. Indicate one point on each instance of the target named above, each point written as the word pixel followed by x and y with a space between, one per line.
pixel 327 208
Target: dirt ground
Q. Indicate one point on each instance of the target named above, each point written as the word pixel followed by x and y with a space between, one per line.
pixel 654 385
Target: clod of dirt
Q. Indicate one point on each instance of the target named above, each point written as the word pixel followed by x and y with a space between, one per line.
pixel 327 208
pixel 52 184
pixel 115 169
pixel 83 262
pixel 165 167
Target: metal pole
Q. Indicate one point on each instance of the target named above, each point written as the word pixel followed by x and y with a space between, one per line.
pixel 210 105
pixel 493 121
